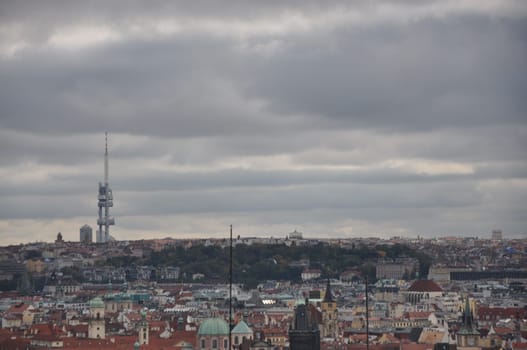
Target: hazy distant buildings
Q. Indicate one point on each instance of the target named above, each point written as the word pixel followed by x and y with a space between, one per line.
pixel 86 234
pixel 295 235
pixel 443 274
pixel 9 268
pixel 310 274
pixel 401 268
pixel 497 235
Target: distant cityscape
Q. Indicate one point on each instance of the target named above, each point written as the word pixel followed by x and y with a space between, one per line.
pixel 263 175
pixel 450 293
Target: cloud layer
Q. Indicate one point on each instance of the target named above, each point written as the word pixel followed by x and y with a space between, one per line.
pixel 340 119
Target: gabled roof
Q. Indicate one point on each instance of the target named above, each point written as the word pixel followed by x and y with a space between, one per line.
pixel 242 328
pixel 388 338
pixel 424 286
pixel 18 308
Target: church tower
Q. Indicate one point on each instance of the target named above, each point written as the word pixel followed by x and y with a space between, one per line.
pixel 468 335
pixel 143 330
pixel 329 315
pixel 304 333
pixel 96 324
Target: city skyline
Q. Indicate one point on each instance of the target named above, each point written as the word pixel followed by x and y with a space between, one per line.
pixel 337 119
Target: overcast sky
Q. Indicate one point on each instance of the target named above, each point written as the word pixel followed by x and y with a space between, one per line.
pixel 334 118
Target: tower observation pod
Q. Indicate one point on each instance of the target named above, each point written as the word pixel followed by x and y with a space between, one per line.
pixel 105 202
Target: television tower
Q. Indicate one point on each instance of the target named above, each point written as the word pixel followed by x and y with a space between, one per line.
pixel 105 198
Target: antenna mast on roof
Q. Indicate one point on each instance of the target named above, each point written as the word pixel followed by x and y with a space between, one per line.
pixel 230 290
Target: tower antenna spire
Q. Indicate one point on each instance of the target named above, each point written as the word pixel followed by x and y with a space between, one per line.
pixel 106 158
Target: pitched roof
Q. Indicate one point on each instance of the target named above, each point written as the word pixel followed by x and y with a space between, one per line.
pixel 415 333
pixel 424 286
pixel 242 328
pixel 419 315
pixel 431 336
pixel 501 312
pixel 18 308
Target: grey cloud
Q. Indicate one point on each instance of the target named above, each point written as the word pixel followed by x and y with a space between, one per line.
pixel 420 76
pixel 160 181
pixel 301 198
pixel 439 88
pixel 170 89
pixel 424 75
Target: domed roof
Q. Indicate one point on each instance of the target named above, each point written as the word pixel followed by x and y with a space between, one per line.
pixel 214 326
pixel 96 303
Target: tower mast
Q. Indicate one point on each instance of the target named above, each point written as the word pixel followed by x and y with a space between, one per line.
pixel 105 201
pixel 107 189
pixel 106 158
pixel 230 290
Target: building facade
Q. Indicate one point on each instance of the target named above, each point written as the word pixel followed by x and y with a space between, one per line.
pixel 96 323
pixel 86 234
pixel 213 334
pixel 304 333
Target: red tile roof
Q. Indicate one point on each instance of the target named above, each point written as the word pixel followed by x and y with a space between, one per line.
pixel 418 315
pixel 18 308
pixel 424 286
pixel 519 346
pixel 496 313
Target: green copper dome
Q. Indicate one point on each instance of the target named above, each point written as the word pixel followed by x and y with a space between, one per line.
pixel 214 326
pixel 96 303
pixel 242 328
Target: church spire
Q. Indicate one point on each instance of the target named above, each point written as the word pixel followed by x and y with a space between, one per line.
pixel 468 327
pixel 328 297
pixel 467 319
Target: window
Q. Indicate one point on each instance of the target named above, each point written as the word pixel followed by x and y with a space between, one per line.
pixel 471 341
pixel 225 344
pixel 236 340
pixel 203 343
pixel 214 344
